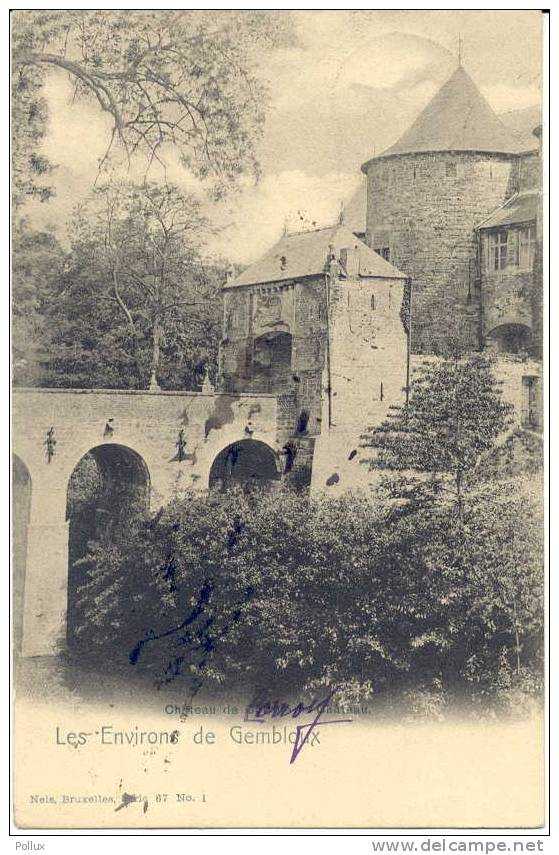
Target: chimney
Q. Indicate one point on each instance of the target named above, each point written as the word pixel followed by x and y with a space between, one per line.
pixel 349 257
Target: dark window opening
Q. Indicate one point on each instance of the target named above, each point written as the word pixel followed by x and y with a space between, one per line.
pixel 302 422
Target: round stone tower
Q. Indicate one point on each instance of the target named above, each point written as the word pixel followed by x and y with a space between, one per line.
pixel 425 196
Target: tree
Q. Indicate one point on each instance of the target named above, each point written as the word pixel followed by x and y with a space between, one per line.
pixel 506 582
pixel 475 548
pixel 138 303
pixel 177 78
pixel 454 415
pixel 279 592
pixel 38 264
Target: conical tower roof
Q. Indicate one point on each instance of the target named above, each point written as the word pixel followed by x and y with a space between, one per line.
pixel 458 118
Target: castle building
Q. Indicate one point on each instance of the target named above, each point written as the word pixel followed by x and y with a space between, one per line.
pixel 334 326
pixel 321 321
pixel 455 204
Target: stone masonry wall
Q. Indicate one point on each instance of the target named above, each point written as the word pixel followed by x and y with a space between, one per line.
pixel 146 422
pixel 298 308
pixel 507 299
pixel 368 375
pixel 509 370
pixel 526 173
pixel 428 205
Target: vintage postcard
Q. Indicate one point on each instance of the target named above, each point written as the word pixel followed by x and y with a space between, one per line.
pixel 278 406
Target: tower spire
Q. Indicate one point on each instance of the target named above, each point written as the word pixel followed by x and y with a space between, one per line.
pixel 459 50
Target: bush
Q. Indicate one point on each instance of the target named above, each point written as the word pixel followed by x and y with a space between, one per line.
pixel 280 592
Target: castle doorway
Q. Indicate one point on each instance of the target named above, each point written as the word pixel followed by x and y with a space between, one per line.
pixel 271 362
pixel 509 338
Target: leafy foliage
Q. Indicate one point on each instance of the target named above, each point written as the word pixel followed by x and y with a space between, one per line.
pixel 274 591
pixel 133 300
pixel 38 263
pixel 452 418
pixel 178 78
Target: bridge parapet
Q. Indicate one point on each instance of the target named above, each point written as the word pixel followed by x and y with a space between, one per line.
pixel 150 423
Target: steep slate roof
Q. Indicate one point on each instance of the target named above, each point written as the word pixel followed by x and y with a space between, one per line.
pixel 306 253
pixel 519 209
pixel 458 118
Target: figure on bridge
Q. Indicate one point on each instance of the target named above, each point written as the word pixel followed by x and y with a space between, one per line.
pixel 50 443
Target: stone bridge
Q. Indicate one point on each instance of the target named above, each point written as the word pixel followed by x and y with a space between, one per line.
pixel 171 440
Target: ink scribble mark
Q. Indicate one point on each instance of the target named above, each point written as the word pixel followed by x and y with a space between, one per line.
pixel 126 799
pixel 203 640
pixel 203 598
pixel 279 709
pixel 301 741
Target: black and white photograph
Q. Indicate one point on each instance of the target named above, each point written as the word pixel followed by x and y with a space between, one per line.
pixel 278 359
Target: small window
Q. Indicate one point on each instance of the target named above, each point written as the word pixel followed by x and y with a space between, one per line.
pixel 511 248
pixel 373 302
pixel 526 247
pixel 383 251
pixel 302 422
pixel 451 170
pixel 381 243
pixel 497 250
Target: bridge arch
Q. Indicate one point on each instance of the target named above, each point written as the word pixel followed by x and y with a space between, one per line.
pixel 246 463
pixel 109 484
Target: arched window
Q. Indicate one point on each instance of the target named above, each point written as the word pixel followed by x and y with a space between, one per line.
pixel 302 422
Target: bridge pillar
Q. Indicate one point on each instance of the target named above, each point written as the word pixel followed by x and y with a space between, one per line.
pixel 46 578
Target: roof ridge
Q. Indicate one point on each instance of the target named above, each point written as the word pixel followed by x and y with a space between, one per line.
pixel 308 231
pixel 305 253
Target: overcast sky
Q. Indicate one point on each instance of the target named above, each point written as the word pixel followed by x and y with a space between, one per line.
pixel 352 85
